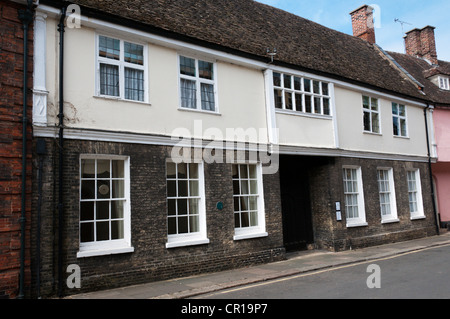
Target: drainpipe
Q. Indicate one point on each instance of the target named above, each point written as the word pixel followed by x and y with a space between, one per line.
pixel 25 16
pixel 425 111
pixel 61 145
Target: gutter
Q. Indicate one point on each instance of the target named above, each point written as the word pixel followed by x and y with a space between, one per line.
pixel 61 150
pixel 437 218
pixel 26 17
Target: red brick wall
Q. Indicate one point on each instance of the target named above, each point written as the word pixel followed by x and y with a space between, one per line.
pixel 11 114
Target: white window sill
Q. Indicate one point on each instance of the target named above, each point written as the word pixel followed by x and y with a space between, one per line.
pixel 119 99
pixel 390 220
pixel 104 251
pixel 356 224
pixel 250 235
pixel 185 243
pixel 418 217
pixel 199 111
pixel 372 133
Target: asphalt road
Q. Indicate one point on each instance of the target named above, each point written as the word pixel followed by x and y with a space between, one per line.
pixel 417 275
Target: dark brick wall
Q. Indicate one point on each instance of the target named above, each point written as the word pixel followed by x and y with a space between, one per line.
pixel 11 114
pixel 334 235
pixel 151 260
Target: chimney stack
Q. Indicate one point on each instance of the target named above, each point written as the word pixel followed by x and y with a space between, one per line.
pixel 421 43
pixel 362 22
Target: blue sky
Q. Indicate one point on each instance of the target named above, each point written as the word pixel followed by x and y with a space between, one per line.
pixel 389 34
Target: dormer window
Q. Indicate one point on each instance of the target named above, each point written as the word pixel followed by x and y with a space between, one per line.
pixel 444 83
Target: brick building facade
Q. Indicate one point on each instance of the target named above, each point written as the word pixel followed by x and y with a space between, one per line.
pixel 12 260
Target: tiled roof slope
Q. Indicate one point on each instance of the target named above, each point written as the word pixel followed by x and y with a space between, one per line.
pixel 421 71
pixel 251 27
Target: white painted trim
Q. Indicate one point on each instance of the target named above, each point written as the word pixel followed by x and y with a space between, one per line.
pixel 146 139
pixel 270 107
pixel 40 92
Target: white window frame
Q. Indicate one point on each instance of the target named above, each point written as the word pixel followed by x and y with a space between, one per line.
pixel 301 91
pixel 387 187
pixel 122 65
pixel 444 83
pixel 360 220
pixel 400 118
pixel 371 112
pixel 117 246
pixel 241 233
pixel 198 81
pixel 195 238
pixel 418 213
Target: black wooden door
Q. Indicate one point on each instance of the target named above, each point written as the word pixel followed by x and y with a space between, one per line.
pixel 295 201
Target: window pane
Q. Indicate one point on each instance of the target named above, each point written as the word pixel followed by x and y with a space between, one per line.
pixel 278 99
pixel 103 169
pixel 287 81
pixel 193 206
pixel 171 170
pixel 252 171
pixel 182 207
pixel 316 86
pixel 87 168
pixel 298 102
pixel 366 121
pixel 288 100
pixel 182 188
pixel 109 48
pixel 374 104
pixel 117 209
pixel 207 93
pixel 375 123
pixel 297 83
pixel 307 85
pixel 308 104
pixel 109 79
pixel 183 225
pixel 396 127
pixel 205 70
pixel 103 189
pixel 117 229
pixel 317 105
pixel 86 211
pixel 193 171
pixel 366 102
pixel 86 232
pixel 326 106
pixel 171 226
pixel 134 53
pixel 276 79
pixel 403 127
pixel 171 207
pixel 188 94
pixel 182 170
pixel 193 188
pixel 395 108
pixel 401 110
pixel 118 189
pixel 253 219
pixel 171 189
pixel 102 231
pixel 102 210
pixel 118 169
pixel 134 84
pixel 325 88
pixel 193 224
pixel 87 189
pixel 187 66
